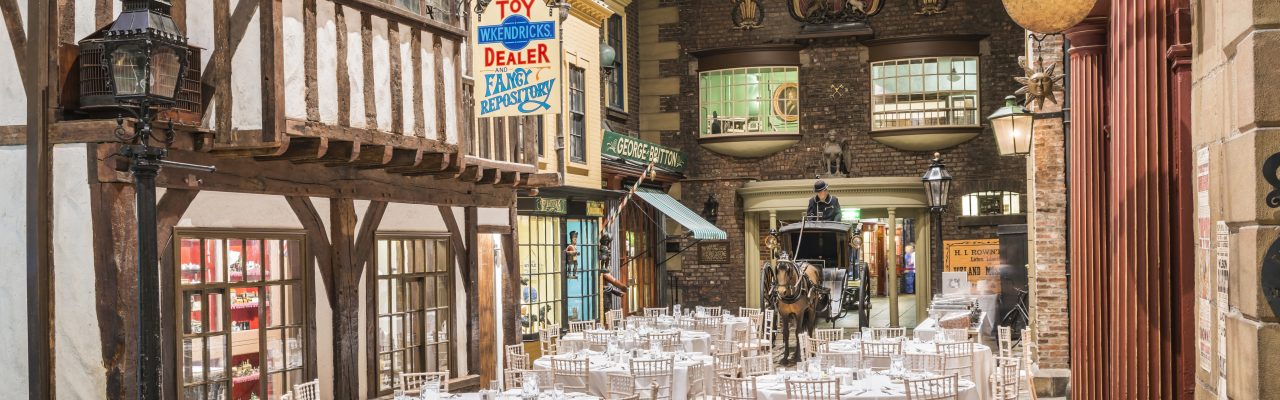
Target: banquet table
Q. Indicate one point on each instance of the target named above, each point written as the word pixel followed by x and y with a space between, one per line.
pixel 875 387
pixel 515 394
pixel 983 365
pixel 694 341
pixel 729 323
pixel 601 365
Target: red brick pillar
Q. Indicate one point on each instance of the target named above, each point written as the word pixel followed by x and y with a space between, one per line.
pixel 1089 218
pixel 1147 227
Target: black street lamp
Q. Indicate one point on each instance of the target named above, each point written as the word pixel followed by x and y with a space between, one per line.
pixel 937 189
pixel 145 55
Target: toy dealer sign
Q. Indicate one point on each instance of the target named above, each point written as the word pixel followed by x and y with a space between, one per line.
pixel 516 59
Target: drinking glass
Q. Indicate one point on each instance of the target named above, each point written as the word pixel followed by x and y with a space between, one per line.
pixel 399 395
pixel 494 386
pixel 895 363
pixel 558 390
pixel 530 385
pixel 430 391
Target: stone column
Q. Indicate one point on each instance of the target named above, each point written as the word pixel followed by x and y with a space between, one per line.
pixel 892 266
pixel 1089 215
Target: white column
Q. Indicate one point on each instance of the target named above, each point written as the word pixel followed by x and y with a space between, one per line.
pixel 751 231
pixel 891 263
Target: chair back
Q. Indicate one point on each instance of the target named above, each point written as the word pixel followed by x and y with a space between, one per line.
pixel 810 347
pixel 757 365
pixel 798 389
pixel 959 358
pixel 517 361
pixel 621 384
pixel 613 319
pixel 1005 335
pixel 697 378
pixel 514 378
pixel 730 388
pixel 579 326
pixel 728 363
pixel 843 360
pixel 713 311
pixel 598 340
pixel 654 376
pixel 574 375
pixel 655 311
pixel 307 391
pixel 665 339
pixel 748 312
pixel 877 355
pixel 879 334
pixel 829 335
pixel 955 334
pixel 747 339
pixel 1005 382
pixel 935 363
pixel 411 382
pixel 549 340
pixel 711 325
pixel 940 388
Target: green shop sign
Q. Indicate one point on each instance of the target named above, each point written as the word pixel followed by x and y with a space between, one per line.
pixel 543 205
pixel 629 148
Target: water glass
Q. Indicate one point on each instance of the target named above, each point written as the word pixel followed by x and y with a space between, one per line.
pixel 895 363
pixel 867 336
pixel 530 385
pixel 558 390
pixel 399 395
pixel 430 391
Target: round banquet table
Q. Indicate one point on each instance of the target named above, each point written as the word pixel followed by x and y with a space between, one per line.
pixel 875 387
pixel 601 366
pixel 983 365
pixel 694 341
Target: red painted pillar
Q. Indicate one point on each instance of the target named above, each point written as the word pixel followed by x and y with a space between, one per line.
pixel 1183 203
pixel 1088 226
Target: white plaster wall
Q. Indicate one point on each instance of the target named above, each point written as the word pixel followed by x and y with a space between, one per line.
pixel 429 85
pixel 327 62
pixel 77 342
pixel 200 34
pixel 295 79
pixel 13 244
pixel 450 92
pixel 493 216
pixel 355 68
pixel 381 74
pixel 12 92
pixel 407 75
pixel 86 12
pixel 246 76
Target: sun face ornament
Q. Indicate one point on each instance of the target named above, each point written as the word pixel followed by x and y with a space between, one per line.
pixel 1040 83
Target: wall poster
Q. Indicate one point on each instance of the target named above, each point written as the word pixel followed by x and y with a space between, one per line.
pixel 1204 275
pixel 516 59
pixel 980 258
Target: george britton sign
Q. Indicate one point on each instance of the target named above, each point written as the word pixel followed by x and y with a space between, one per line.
pixel 516 59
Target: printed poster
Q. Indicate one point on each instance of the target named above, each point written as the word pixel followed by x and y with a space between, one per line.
pixel 516 59
pixel 1204 267
pixel 979 258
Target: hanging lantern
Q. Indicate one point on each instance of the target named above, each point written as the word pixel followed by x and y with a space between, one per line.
pixel 145 54
pixel 1012 125
pixel 937 184
pixel 1048 16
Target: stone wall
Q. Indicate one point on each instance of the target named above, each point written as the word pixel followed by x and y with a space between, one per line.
pixel 1236 111
pixel 670 106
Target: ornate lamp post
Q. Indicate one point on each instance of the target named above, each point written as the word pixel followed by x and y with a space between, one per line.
pixel 146 56
pixel 937 189
pixel 1012 125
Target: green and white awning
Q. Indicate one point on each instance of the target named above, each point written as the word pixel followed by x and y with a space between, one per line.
pixel 701 229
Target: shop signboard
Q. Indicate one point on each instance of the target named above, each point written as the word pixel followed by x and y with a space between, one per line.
pixel 543 205
pixel 595 208
pixel 713 252
pixel 632 149
pixel 517 59
pixel 979 258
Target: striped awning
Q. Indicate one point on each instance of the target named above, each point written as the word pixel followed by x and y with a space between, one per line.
pixel 701 229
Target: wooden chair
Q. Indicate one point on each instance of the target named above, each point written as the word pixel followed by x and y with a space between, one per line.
pixel 697 379
pixel 810 347
pixel 412 382
pixel 843 360
pixel 728 363
pixel 549 340
pixel 658 375
pixel 748 312
pixel 1005 336
pixel 1005 381
pixel 574 375
pixel 935 363
pixel 656 311
pixel 667 340
pixel 872 353
pixel 878 334
pixel 747 340
pixel 580 326
pixel 757 365
pixel 940 388
pixel 621 384
pixel 613 319
pixel 1028 363
pixel 307 391
pixel 813 390
pixel 959 358
pixel 952 335
pixel 514 378
pixel 829 335
pixel 730 388
pixel 725 346
pixel 713 326
pixel 713 311
pixel 598 340
pixel 517 361
pixel 768 329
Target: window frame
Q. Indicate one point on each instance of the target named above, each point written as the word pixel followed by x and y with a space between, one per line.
pixel 766 102
pixel 616 37
pixel 374 314
pixel 913 96
pixel 971 203
pixel 542 240
pixel 577 114
pixel 302 281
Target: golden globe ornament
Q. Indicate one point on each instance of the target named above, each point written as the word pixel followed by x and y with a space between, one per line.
pixel 1042 16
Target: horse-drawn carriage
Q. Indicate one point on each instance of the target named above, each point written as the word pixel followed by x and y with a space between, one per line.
pixel 809 278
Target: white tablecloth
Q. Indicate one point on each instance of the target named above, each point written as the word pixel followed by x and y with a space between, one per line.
pixel 983 365
pixel 694 341
pixel 601 366
pixel 878 387
pixel 515 394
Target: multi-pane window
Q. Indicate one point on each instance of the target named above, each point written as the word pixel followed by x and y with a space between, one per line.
pixel 582 286
pixel 617 80
pixel 414 294
pixel 542 276
pixel 991 203
pixel 435 9
pixel 577 115
pixel 924 92
pixel 749 100
pixel 243 315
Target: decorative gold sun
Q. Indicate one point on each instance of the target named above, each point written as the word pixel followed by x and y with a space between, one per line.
pixel 1040 83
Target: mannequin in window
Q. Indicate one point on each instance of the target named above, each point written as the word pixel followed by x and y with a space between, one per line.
pixel 715 123
pixel 823 206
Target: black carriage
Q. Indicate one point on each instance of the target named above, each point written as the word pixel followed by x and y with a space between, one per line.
pixel 835 248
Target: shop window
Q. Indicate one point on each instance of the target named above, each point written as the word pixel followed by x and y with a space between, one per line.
pixel 582 294
pixel 618 80
pixel 541 279
pixel 577 115
pixel 414 297
pixel 243 315
pixel 749 100
pixel 924 92
pixel 991 203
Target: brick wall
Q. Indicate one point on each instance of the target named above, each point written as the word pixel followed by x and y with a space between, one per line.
pixel 826 62
pixel 1048 284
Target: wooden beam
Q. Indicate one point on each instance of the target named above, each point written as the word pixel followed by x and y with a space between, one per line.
pixel 471 278
pixel 489 176
pixel 397 14
pixel 540 180
pixel 470 173
pixel 41 86
pixel 397 81
pixel 169 209
pixel 271 42
pixel 369 228
pixel 115 256
pixel 430 163
pixel 17 34
pixel 508 179
pixel 511 298
pixel 442 132
pixel 456 241
pixel 318 247
pixel 296 127
pixel 300 149
pixel 13 135
pixel 370 155
pixel 346 313
pixel 416 68
pixel 310 62
pixel 335 152
pixel 366 240
pixel 366 49
pixel 344 77
pixel 400 158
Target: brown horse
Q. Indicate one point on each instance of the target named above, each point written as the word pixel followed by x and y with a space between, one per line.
pixel 797 287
